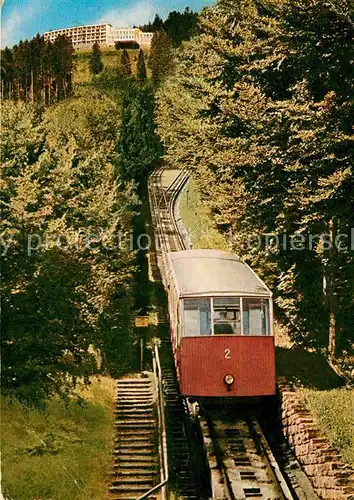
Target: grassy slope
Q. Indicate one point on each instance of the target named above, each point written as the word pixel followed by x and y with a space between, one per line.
pixel 110 58
pixel 333 406
pixel 335 411
pixel 197 219
pixel 82 436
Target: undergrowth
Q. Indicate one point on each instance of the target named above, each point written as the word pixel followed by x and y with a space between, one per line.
pixel 62 452
pixel 334 410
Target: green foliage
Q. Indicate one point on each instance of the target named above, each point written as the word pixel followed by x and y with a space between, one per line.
pixel 141 67
pixel 179 26
pixel 125 63
pixel 114 83
pixel 139 148
pixel 66 280
pixel 338 426
pixel 161 57
pixel 260 107
pixel 38 71
pixel 95 64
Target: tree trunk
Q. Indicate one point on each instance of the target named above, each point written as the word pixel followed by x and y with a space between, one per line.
pixel 330 292
pixel 32 87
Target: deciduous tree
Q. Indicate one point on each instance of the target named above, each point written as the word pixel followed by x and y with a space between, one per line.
pixel 67 280
pixel 260 107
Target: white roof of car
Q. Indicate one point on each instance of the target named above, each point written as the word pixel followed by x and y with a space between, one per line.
pixel 212 272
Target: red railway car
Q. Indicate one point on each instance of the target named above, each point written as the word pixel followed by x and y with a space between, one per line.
pixel 221 326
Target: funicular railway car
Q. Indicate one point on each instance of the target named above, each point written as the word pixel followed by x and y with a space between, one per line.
pixel 221 326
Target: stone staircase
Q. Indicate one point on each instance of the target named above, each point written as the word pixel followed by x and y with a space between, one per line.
pixel 136 468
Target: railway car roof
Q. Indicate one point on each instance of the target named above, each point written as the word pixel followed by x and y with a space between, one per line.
pixel 212 272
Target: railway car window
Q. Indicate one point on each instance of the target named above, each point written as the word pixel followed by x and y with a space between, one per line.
pixel 197 317
pixel 255 316
pixel 227 316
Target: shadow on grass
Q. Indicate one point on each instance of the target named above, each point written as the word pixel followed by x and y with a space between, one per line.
pixel 306 369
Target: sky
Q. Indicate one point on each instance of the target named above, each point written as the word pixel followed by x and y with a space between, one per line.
pixel 21 19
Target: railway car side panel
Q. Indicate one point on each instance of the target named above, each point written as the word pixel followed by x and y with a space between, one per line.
pixel 206 361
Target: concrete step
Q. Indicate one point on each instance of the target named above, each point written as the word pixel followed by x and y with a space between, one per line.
pixel 127 496
pixel 138 453
pixel 132 472
pixel 139 446
pixel 147 465
pixel 129 400
pixel 122 444
pixel 134 402
pixel 133 410
pixel 139 420
pixel 127 432
pixel 139 378
pixel 137 426
pixel 148 460
pixel 133 480
pixel 134 439
pixel 134 387
pixel 139 489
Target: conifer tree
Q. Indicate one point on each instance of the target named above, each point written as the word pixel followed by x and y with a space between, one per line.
pixel 125 63
pixel 161 57
pixel 141 67
pixel 7 73
pixel 95 64
pixel 157 24
pixel 36 70
pixel 139 148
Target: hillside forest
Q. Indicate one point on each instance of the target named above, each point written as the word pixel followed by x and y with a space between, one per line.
pixel 74 167
pixel 257 104
pixel 259 107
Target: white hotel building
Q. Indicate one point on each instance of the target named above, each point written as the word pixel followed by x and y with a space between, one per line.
pixel 104 34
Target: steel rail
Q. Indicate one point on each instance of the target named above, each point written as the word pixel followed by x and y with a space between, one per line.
pixel 229 495
pixel 256 434
pixel 181 181
pixel 273 467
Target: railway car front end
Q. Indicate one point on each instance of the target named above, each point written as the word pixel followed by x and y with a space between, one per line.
pixel 222 330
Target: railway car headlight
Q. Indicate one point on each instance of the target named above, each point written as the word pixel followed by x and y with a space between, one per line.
pixel 229 379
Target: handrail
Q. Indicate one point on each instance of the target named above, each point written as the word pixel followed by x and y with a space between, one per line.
pixel 163 457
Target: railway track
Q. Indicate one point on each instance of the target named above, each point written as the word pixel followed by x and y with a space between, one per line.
pixel 168 238
pixel 240 461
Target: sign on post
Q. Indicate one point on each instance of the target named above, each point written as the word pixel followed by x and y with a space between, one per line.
pixel 141 321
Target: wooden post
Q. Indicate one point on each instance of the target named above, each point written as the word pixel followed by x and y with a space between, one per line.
pixel 141 324
pixel 141 354
pixel 331 298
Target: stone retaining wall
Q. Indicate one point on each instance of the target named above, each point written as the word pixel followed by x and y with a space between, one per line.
pixel 330 477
